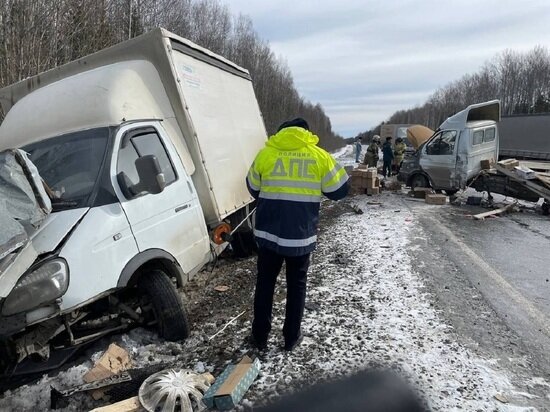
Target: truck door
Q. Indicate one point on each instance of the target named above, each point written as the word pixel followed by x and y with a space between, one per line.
pixel 438 158
pixel 171 220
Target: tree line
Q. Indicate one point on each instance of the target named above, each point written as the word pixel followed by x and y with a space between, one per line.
pixel 521 81
pixel 37 35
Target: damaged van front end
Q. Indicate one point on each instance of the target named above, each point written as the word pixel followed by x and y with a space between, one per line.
pixel 452 157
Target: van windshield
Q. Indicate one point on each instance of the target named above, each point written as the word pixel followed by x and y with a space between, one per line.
pixel 70 165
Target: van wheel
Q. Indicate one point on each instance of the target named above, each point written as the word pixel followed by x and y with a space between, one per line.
pixel 419 180
pixel 244 244
pixel 168 309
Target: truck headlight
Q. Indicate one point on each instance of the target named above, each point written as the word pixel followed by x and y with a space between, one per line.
pixel 44 284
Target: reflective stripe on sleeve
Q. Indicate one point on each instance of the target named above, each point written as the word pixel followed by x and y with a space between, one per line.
pixel 331 173
pixel 252 184
pixel 285 242
pixel 294 197
pixel 335 186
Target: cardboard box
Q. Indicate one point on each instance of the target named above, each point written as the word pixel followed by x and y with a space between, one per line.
pixel 420 192
pixel 486 164
pixel 435 199
pixel 113 361
pixel 370 183
pixel 525 173
pixel 373 190
pixel 509 164
pixel 231 385
pixel 372 172
pixel 362 167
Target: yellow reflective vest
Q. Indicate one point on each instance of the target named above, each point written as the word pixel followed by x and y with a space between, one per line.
pixel 288 177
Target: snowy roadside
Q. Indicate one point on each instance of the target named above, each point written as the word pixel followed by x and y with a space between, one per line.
pixel 371 308
pixel 366 305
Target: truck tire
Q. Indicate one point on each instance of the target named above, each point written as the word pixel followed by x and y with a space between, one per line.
pixel 169 310
pixel 419 180
pixel 244 244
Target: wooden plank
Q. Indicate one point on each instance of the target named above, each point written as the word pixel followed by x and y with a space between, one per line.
pixel 537 188
pixel 535 165
pixel 482 216
pixel 127 405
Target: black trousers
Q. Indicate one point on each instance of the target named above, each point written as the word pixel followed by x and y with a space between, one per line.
pixel 386 168
pixel 269 266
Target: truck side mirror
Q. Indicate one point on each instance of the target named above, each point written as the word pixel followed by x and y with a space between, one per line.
pixel 151 178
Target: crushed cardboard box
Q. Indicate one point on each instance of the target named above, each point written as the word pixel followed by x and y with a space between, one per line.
pixel 232 384
pixel 112 362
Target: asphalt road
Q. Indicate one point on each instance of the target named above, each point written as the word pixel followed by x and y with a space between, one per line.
pixel 491 280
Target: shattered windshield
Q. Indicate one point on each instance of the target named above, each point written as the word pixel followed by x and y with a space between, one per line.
pixel 70 165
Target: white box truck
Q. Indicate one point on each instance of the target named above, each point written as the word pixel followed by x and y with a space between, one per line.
pixel 143 149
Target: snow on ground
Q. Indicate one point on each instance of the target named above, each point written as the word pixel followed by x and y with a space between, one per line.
pixel 365 306
pixel 370 307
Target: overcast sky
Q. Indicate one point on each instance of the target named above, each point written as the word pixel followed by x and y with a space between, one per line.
pixel 363 60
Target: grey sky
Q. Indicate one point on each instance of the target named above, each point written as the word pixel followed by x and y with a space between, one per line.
pixel 363 60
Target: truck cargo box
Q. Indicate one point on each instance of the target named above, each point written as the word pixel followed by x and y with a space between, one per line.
pixel 206 102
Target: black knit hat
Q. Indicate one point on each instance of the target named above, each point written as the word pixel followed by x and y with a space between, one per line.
pixel 298 122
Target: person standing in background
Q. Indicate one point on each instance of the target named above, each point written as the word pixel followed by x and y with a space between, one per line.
pixel 358 149
pixel 371 158
pixel 399 153
pixel 387 156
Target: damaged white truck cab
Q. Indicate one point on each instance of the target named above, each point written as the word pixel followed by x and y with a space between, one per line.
pixel 143 148
pixel 451 157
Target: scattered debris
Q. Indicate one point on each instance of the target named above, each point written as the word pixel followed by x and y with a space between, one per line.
pixel 525 173
pixel 221 288
pixel 501 398
pixel 227 324
pixel 113 361
pixel 58 397
pixel 420 192
pixel 481 216
pixel 173 390
pixel 357 209
pixel 435 199
pixel 127 405
pixel 393 185
pixel 509 164
pixel 232 384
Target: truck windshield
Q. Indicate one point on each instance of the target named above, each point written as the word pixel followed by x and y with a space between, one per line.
pixel 70 165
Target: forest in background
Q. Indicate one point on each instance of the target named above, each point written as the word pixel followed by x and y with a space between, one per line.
pixel 37 35
pixel 521 81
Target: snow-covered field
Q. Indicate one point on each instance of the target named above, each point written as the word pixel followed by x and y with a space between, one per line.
pixel 366 305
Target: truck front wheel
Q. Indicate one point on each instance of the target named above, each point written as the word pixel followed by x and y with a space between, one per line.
pixel 169 311
pixel 419 180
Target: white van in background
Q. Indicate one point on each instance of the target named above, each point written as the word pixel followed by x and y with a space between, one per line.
pixel 452 156
pixel 143 148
